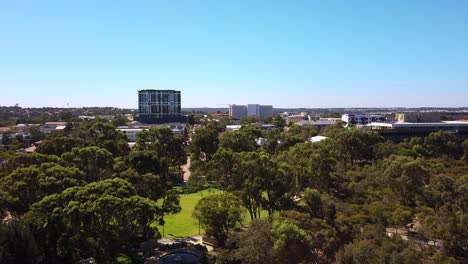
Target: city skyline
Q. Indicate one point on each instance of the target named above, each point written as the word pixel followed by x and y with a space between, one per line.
pixel 300 54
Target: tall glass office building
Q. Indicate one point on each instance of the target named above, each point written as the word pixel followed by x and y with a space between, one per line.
pixel 159 106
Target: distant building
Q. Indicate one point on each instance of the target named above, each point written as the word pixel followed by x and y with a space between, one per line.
pixel 132 131
pixel 317 139
pixel 52 126
pixel 159 106
pixel 238 127
pixel 237 111
pixel 30 149
pixel 217 116
pixel 320 124
pixel 265 111
pixel 421 126
pixel 23 130
pixel 334 119
pixel 233 127
pixel 86 117
pixel 5 129
pixel 266 126
pixel 362 119
pixel 10 135
pixel 400 130
pixel 416 117
pixel 295 119
pixel 241 111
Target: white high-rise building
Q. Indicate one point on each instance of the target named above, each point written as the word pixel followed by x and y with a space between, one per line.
pixel 253 110
pixel 241 111
pixel 265 111
pixel 237 111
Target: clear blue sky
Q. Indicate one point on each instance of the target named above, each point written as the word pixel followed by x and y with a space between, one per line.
pixel 286 53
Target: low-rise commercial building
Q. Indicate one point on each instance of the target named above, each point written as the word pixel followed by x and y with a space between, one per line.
pixel 416 117
pixel 52 126
pixel 238 127
pixel 362 118
pixel 423 126
pixel 320 124
pixel 405 129
pixel 132 131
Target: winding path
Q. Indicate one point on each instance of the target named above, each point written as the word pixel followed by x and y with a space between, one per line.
pixel 186 169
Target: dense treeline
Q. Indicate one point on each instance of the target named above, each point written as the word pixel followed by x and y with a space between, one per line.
pixel 349 198
pixel 12 115
pixel 336 200
pixel 85 195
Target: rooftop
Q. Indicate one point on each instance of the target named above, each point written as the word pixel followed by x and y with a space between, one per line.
pixel 316 123
pixel 317 139
pixel 55 123
pixel 422 124
pixel 157 90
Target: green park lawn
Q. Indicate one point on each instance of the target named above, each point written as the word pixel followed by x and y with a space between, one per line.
pixel 183 224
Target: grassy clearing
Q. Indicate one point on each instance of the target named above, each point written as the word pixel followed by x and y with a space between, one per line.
pixel 183 224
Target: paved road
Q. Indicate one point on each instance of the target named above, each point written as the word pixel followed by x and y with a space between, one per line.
pixel 193 240
pixel 186 169
pixel 416 237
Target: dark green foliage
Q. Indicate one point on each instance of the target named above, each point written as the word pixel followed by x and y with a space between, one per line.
pixel 249 120
pixel 96 220
pixel 353 182
pixel 288 141
pixel 205 142
pixel 36 134
pixel 145 161
pixel 164 142
pixel 25 186
pixel 254 245
pixel 278 122
pixel 95 162
pixel 21 160
pixel 356 146
pixel 319 205
pixel 83 196
pixel 305 131
pixel 57 145
pixel 287 237
pixel 120 120
pixel 255 178
pixel 465 149
pixel 273 138
pixel 6 138
pixel 86 195
pixel 219 214
pixel 372 247
pixel 407 177
pixel 239 141
pixel 442 144
pixel 17 244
